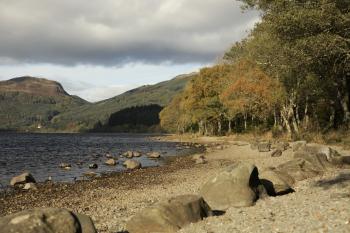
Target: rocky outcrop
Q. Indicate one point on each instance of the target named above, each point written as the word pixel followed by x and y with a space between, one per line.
pixel 48 220
pixel 170 216
pixel 132 164
pixel 22 179
pixel 236 186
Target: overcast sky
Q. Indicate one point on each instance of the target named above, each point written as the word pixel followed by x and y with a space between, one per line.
pixel 98 49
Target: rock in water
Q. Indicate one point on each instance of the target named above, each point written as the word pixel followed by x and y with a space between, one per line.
pixel 264 147
pixel 136 154
pixel 132 164
pixel 153 155
pixel 47 220
pixel 22 179
pixel 128 154
pixel 65 166
pixel 236 186
pixel 93 166
pixel 276 182
pixel 170 216
pixel 111 162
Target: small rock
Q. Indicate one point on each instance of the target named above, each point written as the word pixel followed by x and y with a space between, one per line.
pixel 153 155
pixel 93 166
pixel 109 156
pixel 66 166
pixel 276 153
pixel 136 154
pixel 22 179
pixel 132 164
pixel 264 147
pixel 111 162
pixel 30 186
pixel 200 161
pixel 128 154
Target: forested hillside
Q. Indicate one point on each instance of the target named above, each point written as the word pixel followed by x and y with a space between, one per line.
pixel 291 74
pixel 28 103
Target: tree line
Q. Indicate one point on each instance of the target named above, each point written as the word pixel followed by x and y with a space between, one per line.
pixel 292 74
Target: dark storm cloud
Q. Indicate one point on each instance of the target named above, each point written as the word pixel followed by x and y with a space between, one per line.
pixel 114 32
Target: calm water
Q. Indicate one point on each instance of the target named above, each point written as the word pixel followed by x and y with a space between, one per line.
pixel 41 154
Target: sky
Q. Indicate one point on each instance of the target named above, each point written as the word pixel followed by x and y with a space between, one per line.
pixel 99 49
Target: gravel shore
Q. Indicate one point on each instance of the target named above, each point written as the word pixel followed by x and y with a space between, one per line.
pixel 320 204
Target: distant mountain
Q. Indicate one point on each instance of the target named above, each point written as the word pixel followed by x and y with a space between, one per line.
pixel 36 104
pixel 29 103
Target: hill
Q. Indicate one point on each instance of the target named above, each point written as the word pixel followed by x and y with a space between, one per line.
pixel 29 102
pixel 87 117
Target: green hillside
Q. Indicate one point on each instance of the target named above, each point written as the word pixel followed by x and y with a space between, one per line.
pixel 27 102
pixel 87 116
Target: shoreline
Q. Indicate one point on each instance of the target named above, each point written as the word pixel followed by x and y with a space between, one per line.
pixel 112 200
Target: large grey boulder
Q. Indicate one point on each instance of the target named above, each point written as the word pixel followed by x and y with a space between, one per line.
pixel 300 169
pixel 22 179
pixel 276 182
pixel 169 216
pixel 236 186
pixel 132 164
pixel 47 220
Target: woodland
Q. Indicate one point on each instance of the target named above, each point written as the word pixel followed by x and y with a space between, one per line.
pixel 290 75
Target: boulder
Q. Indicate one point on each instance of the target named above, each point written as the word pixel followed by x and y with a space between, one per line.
pixel 153 155
pixel 236 186
pixel 30 186
pixel 296 145
pixel 169 216
pixel 132 164
pixel 276 153
pixel 22 179
pixel 93 166
pixel 331 155
pixel 276 182
pixel 48 220
pixel 111 162
pixel 299 169
pixel 318 160
pixel 264 147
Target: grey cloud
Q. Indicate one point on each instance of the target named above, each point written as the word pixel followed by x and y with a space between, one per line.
pixel 114 32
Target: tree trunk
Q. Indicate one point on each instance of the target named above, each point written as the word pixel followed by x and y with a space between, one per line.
pixel 245 121
pixel 229 126
pixel 219 127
